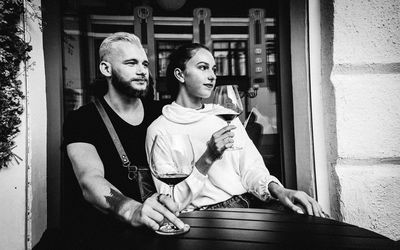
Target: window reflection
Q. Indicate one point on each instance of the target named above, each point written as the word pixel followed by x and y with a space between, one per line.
pixel 163 62
pixel 270 46
pixel 230 58
pixel 221 61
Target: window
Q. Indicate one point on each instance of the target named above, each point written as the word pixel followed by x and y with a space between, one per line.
pixel 230 58
pixel 271 61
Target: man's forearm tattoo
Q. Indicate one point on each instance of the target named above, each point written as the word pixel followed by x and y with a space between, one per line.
pixel 115 200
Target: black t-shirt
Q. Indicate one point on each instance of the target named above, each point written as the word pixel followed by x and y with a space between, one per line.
pixel 85 125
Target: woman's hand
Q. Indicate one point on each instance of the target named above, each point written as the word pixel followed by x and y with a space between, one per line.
pixel 153 211
pixel 220 141
pixel 216 146
pixel 298 201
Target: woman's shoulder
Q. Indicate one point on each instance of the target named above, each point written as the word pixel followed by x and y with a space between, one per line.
pixel 158 126
pixel 158 123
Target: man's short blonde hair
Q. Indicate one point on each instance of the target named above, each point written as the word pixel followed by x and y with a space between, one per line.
pixel 106 45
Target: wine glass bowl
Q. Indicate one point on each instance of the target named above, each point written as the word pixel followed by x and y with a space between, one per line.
pixel 172 161
pixel 227 104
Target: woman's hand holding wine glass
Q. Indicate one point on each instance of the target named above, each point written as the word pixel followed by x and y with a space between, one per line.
pixel 220 141
pixel 172 161
pixel 227 104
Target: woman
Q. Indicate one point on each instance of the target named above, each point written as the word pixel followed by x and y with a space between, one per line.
pixel 221 178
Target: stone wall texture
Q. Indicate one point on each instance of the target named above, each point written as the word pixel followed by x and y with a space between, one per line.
pixel 370 197
pixel 366 31
pixel 366 86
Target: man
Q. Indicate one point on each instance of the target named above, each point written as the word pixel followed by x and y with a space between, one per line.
pixel 97 166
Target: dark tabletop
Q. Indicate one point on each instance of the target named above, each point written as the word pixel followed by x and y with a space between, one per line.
pixel 259 229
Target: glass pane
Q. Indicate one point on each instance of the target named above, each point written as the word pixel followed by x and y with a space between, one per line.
pixel 270 68
pixel 221 61
pixel 270 36
pixel 238 63
pixel 163 62
pixel 241 45
pixel 73 84
pixel 233 65
pixel 221 45
pixel 271 58
pixel 242 63
pixel 166 46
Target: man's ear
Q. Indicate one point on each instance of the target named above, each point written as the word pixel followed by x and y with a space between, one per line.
pixel 105 68
pixel 179 75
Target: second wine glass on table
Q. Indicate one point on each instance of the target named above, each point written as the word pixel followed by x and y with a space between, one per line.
pixel 172 161
pixel 227 104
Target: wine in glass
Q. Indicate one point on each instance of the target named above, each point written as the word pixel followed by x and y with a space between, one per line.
pixel 227 104
pixel 172 161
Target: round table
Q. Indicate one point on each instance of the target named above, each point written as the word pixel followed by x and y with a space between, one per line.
pixel 259 229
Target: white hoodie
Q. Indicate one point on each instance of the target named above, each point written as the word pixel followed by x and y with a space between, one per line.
pixel 238 171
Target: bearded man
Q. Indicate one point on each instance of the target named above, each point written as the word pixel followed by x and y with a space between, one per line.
pixel 108 201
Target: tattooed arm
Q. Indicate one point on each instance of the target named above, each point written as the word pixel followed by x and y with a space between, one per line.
pixel 89 171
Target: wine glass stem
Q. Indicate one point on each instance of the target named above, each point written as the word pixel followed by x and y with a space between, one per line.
pixel 171 189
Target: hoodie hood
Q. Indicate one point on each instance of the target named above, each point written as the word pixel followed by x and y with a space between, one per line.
pixel 179 114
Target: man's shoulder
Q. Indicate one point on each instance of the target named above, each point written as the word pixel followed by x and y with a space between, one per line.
pixel 81 125
pixel 84 112
pixel 86 108
pixel 153 108
pixel 154 105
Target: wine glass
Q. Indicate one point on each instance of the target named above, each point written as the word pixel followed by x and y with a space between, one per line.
pixel 172 161
pixel 227 104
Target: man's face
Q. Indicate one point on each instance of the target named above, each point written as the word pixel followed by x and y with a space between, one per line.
pixel 130 72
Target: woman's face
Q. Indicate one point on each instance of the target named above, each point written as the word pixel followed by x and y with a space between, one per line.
pixel 199 74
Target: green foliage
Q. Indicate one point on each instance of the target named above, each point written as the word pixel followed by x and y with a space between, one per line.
pixel 13 51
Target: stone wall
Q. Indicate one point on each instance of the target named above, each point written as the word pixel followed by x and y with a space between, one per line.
pixel 366 87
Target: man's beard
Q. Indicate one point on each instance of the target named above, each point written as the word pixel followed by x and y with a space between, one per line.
pixel 125 88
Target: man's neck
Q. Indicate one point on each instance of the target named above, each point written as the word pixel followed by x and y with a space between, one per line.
pixel 121 104
pixel 130 109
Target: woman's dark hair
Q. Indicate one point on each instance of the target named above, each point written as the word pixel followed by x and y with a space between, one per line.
pixel 178 59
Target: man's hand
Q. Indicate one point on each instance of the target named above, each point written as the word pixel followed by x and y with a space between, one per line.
pixel 153 211
pixel 298 201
